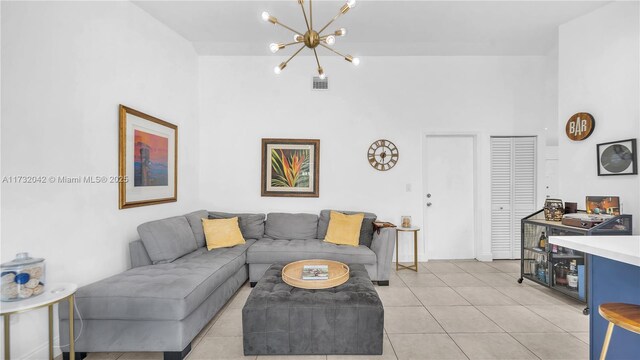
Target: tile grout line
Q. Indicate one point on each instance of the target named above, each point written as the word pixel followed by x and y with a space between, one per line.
pixel 498 325
pixel 525 306
pixel 390 343
pixel 436 320
pixel 491 320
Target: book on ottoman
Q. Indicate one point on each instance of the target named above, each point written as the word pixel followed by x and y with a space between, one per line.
pixel 315 272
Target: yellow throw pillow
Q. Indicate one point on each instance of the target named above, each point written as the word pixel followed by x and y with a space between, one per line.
pixel 344 229
pixel 221 233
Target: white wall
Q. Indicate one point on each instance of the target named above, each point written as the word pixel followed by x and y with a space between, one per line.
pixel 65 68
pixel 397 98
pixel 599 73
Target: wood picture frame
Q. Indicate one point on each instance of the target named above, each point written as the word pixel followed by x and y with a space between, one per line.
pixel 290 167
pixel 147 159
pixel 617 158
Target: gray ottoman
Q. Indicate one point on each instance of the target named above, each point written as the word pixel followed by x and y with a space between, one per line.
pixel 279 319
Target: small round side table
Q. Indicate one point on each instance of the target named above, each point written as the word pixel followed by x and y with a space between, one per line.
pixel 53 294
pixel 415 230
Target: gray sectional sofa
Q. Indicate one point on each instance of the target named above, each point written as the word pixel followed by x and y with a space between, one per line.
pixel 176 286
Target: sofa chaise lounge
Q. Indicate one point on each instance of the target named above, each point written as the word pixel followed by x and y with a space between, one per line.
pixel 175 286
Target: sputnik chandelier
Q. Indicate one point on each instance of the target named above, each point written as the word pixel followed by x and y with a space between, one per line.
pixel 311 38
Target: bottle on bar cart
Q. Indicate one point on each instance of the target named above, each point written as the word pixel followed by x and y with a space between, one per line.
pixel 542 270
pixel 572 276
pixel 542 243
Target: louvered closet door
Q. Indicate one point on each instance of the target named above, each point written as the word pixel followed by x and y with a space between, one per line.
pixel 501 191
pixel 524 185
pixel 513 184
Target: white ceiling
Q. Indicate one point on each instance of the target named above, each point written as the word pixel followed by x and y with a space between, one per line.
pixel 376 28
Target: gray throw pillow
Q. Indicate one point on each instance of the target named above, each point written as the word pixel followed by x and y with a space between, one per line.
pixel 195 221
pixel 251 225
pixel 366 229
pixel 167 239
pixel 286 226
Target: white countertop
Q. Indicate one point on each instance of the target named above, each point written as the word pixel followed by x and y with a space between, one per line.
pixel 625 249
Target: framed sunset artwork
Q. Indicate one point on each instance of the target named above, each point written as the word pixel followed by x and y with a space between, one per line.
pixel 148 159
pixel 291 167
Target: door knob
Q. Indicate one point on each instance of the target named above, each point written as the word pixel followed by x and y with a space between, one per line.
pixel 429 204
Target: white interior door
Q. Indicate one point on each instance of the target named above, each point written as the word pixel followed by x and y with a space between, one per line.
pixel 449 185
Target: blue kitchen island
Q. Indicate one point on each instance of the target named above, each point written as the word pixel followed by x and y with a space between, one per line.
pixel 613 273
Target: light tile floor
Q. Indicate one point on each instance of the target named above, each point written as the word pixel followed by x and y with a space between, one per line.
pixel 447 310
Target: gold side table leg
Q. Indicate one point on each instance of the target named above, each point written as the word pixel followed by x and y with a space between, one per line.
pixel 72 340
pixel 50 332
pixel 397 240
pixel 7 337
pixel 415 250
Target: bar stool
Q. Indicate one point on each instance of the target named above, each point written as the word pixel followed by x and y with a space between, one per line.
pixel 626 316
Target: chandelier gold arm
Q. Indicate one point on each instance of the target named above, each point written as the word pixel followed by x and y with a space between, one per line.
pixel 301 2
pixel 335 33
pixel 315 53
pixel 324 37
pixel 294 54
pixel 349 58
pixel 277 22
pixel 325 46
pixel 310 14
pixel 320 69
pixel 343 10
pixel 292 43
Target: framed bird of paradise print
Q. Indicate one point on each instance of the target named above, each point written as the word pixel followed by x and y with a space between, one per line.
pixel 291 167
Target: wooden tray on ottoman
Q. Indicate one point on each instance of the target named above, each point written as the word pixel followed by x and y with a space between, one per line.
pixel 292 274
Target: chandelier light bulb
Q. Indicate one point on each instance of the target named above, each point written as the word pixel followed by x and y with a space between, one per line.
pixel 278 69
pixel 341 32
pixel 321 73
pixel 298 38
pixel 355 61
pixel 351 3
pixel 274 47
pixel 265 16
pixel 330 40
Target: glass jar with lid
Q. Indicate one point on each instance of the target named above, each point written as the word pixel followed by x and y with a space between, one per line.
pixel 22 278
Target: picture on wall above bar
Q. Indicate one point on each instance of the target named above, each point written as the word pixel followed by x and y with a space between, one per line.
pixel 617 158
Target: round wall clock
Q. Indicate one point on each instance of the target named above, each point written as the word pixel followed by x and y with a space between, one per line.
pixel 383 155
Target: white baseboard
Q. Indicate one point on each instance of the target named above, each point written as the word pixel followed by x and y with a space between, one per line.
pixel 42 351
pixel 485 257
pixel 408 258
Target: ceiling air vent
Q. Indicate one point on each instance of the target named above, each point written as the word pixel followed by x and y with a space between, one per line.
pixel 320 84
